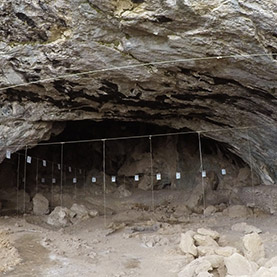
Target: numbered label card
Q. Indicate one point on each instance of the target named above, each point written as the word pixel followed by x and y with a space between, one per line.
pixel 29 160
pixel 8 154
pixel 59 167
pixel 43 180
pixel 136 178
pixel 223 171
pixel 178 175
pixel 74 180
pixel 69 169
pixel 113 179
pixel 54 181
pixel 159 176
pixel 44 163
pixel 204 173
pixel 93 180
pixel 80 171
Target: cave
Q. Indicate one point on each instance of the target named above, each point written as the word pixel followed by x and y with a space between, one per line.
pixel 71 160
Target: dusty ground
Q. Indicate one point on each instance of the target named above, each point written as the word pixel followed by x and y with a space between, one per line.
pixel 134 242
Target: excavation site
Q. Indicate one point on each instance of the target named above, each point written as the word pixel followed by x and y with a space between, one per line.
pixel 138 138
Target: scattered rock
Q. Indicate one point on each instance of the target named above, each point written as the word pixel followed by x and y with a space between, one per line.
pixel 254 248
pixel 123 192
pixel 265 272
pixel 244 227
pixel 208 232
pixel 187 243
pixel 226 251
pixel 60 217
pixel 196 267
pixel 93 213
pixel 201 240
pixel 40 204
pixel 210 210
pixel 80 211
pixel 271 263
pixel 238 265
pixel 237 211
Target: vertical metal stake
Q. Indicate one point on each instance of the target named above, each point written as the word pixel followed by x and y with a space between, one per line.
pixel 201 167
pixel 61 181
pixel 104 181
pixel 151 174
pixel 25 177
pixel 17 183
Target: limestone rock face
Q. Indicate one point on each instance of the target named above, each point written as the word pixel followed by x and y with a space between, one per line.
pixel 254 248
pixel 44 39
pixel 40 204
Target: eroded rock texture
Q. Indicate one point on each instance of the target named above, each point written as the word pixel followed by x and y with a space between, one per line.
pixel 44 39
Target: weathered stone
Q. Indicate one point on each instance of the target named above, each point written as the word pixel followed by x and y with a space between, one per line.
pixel 210 210
pixel 238 265
pixel 253 247
pixel 271 263
pixel 264 272
pixel 244 227
pixel 195 267
pixel 201 240
pixel 237 211
pixel 208 232
pixel 40 204
pixel 60 217
pixel 80 211
pixel 187 243
pixel 123 192
pixel 225 251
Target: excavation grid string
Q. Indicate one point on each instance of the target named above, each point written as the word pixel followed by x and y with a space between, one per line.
pixel 153 63
pixel 151 174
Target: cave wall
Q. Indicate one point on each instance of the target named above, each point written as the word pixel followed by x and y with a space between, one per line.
pixel 41 40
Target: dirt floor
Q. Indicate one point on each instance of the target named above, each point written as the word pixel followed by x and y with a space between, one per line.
pixel 132 240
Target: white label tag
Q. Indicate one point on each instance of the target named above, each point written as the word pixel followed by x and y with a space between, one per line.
pixel 93 180
pixel 69 169
pixel 74 180
pixel 136 178
pixel 8 154
pixel 80 171
pixel 223 171
pixel 113 179
pixel 44 163
pixel 54 181
pixel 204 173
pixel 29 159
pixel 178 175
pixel 59 167
pixel 159 176
pixel 43 180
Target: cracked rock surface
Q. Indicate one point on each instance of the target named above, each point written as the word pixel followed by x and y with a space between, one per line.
pixel 45 39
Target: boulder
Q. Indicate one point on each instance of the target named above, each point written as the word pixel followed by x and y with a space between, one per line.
pixel 244 227
pixel 208 232
pixel 60 217
pixel 265 272
pixel 210 210
pixel 237 211
pixel 201 240
pixel 253 247
pixel 238 265
pixel 40 204
pixel 196 267
pixel 187 243
pixel 225 251
pixel 123 192
pixel 80 211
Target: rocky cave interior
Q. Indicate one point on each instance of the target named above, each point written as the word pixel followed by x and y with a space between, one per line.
pixel 124 158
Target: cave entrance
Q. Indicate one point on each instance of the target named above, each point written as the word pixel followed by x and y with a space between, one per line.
pixel 64 172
